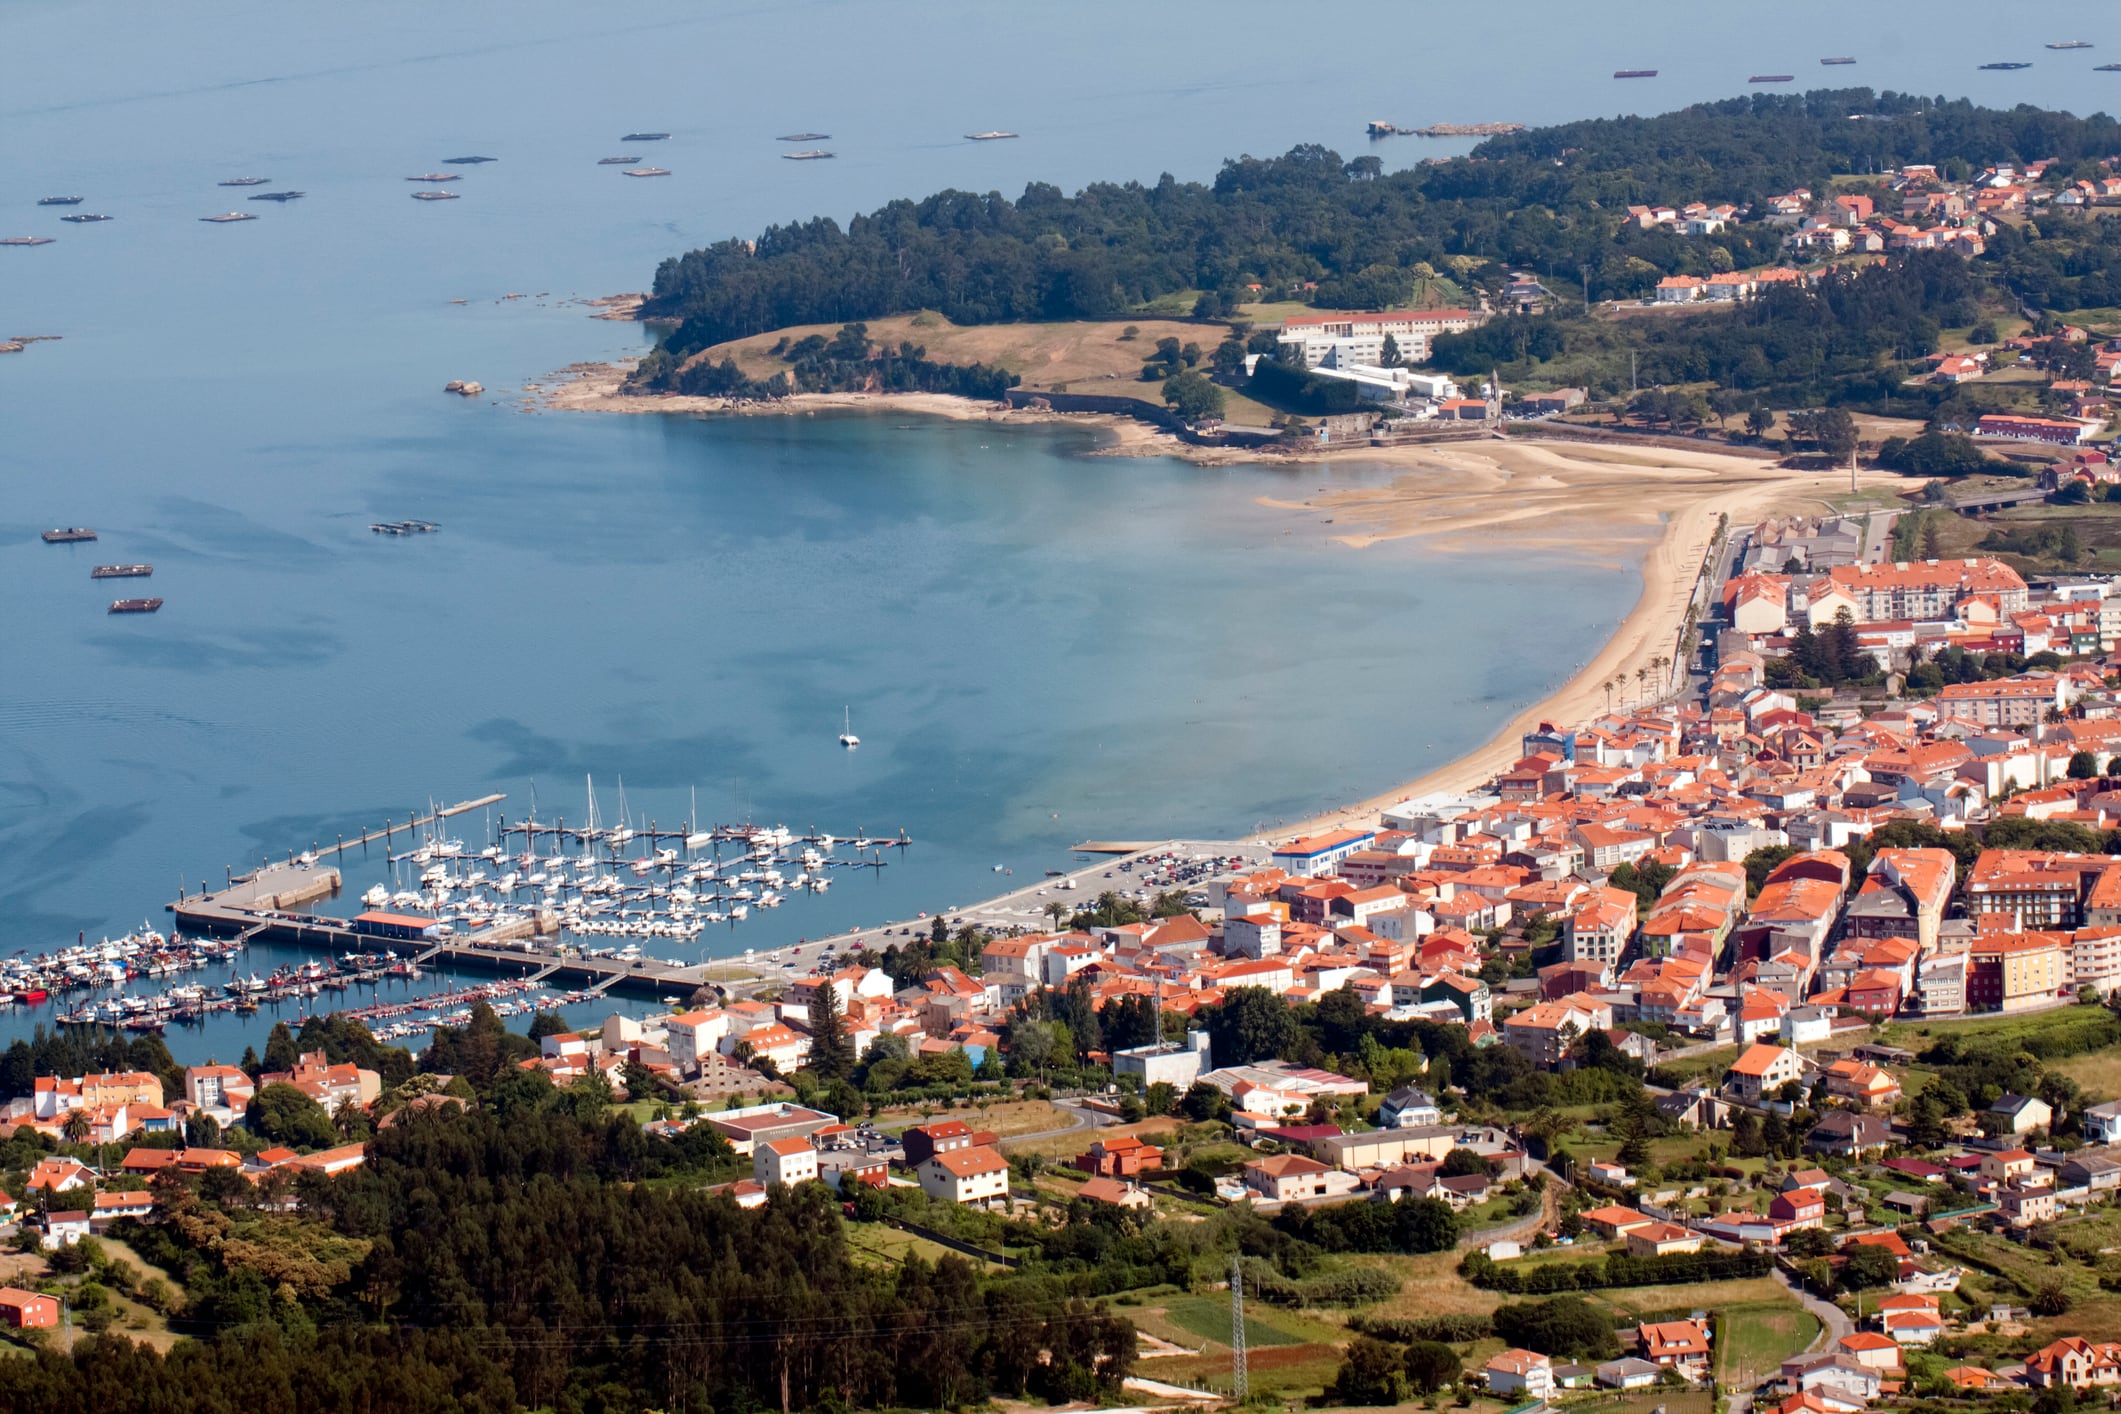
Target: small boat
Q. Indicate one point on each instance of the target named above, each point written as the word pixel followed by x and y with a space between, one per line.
pixel 135 606
pixel 434 196
pixel 847 737
pixel 995 136
pixel 617 161
pixel 26 240
pixel 246 181
pixel 85 217
pixel 1842 59
pixel 1772 78
pixel 803 137
pixel 811 155
pixel 70 535
pixel 2006 65
pixel 1634 73
pixel 32 996
pixel 2071 44
pixel 280 196
pixel 467 161
pixel 60 200
pixel 437 177
pixel 121 571
pixel 227 216
pixel 644 137
pixel 647 171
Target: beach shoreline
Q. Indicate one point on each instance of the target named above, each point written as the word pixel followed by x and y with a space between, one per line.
pixel 1531 496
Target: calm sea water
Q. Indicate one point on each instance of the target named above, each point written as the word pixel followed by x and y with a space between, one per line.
pixel 1037 646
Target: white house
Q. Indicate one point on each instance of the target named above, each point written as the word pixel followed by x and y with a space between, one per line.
pixel 789 1161
pixel 971 1175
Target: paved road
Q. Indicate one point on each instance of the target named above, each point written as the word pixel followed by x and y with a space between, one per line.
pixel 1083 1119
pixel 1834 1321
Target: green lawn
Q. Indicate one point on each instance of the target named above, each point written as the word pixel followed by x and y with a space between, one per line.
pixel 1759 1336
pixel 1209 1318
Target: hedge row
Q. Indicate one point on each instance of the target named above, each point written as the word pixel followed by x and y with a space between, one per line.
pixel 1617 1270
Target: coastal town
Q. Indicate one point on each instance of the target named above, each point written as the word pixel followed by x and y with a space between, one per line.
pixel 1789 972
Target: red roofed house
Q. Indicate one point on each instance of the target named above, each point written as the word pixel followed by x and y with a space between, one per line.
pixel 1681 1345
pixel 974 1175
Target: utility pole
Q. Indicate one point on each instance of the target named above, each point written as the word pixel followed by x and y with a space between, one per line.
pixel 1240 1386
pixel 1586 288
pixel 1634 361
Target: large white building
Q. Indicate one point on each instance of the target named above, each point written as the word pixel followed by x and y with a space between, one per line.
pixel 1359 339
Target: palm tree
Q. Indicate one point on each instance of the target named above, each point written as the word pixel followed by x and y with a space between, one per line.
pixel 76 1127
pixel 1642 678
pixel 1609 684
pixel 1056 910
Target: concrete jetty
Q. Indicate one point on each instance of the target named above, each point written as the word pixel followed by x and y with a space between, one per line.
pixel 265 905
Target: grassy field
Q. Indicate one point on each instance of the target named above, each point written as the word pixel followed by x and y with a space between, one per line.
pixel 1085 356
pixel 1011 1117
pixel 2099 1073
pixel 1208 1318
pixel 1758 1337
pixel 888 1247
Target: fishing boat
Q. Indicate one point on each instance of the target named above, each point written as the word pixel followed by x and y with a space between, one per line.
pixel 26 240
pixel 647 171
pixel 616 161
pixel 847 737
pixel 434 196
pixel 996 136
pixel 2071 44
pixel 85 217
pixel 2006 65
pixel 72 534
pixel 1772 78
pixel 1841 59
pixel 60 200
pixel 135 606
pixel 803 137
pixel 467 161
pixel 228 216
pixel 246 181
pixel 809 155
pixel 121 571
pixel 644 137
pixel 1634 73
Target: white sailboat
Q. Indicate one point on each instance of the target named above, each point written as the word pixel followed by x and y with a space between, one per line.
pixel 847 737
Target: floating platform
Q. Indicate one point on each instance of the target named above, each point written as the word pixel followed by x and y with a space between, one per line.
pixel 1838 59
pixel 1772 78
pixel 121 571
pixel 280 196
pixel 616 161
pixel 227 216
pixel 135 606
pixel 803 137
pixel 27 240
pixel 813 155
pixel 644 137
pixel 60 200
pixel 434 196
pixel 71 535
pixel 2010 65
pixel 647 171
pixel 991 137
pixel 467 161
pixel 1634 73
pixel 85 217
pixel 246 181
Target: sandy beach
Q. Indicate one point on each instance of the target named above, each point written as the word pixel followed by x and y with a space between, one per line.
pixel 1518 497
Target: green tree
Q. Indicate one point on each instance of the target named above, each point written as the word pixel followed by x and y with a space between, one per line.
pixel 1371 1372
pixel 1248 1024
pixel 1869 1266
pixel 280 1053
pixel 1193 397
pixel 2083 766
pixel 282 1113
pixel 1561 1326
pixel 1431 1366
pixel 831 1048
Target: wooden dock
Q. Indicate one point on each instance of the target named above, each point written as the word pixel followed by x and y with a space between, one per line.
pixel 262 905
